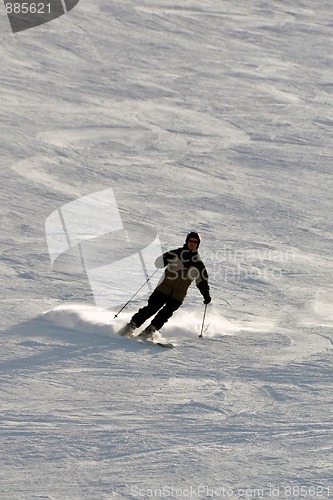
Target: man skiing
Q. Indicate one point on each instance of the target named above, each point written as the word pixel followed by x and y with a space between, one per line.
pixel 183 265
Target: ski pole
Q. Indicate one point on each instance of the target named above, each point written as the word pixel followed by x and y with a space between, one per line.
pixel 203 320
pixel 130 300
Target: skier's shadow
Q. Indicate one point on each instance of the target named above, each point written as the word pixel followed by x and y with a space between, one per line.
pixel 41 342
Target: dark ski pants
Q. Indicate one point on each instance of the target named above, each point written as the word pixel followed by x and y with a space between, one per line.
pixel 158 301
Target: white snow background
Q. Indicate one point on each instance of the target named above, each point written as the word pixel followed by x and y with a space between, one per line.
pixel 214 116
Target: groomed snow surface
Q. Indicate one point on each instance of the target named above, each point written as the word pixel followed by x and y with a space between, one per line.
pixel 213 116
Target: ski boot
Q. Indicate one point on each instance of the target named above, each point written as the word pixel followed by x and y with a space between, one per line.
pixel 148 333
pixel 128 330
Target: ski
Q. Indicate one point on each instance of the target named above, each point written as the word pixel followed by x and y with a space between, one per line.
pixel 167 345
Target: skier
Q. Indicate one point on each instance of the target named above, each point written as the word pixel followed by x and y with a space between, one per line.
pixel 183 265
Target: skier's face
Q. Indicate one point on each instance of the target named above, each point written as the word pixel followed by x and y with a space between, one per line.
pixel 192 244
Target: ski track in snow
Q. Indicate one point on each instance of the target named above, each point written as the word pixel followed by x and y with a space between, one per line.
pixel 199 116
pixel 120 405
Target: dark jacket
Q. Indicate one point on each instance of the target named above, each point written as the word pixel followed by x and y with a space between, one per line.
pixel 183 266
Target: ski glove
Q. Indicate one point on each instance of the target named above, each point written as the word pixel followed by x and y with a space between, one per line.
pixel 207 298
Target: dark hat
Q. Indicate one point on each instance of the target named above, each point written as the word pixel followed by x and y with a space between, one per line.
pixel 195 235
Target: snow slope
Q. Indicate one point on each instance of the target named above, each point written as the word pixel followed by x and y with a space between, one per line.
pixel 215 116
